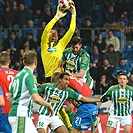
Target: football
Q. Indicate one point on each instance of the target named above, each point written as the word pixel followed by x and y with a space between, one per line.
pixel 65 4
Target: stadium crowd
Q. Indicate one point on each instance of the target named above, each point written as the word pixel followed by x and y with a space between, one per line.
pixel 31 15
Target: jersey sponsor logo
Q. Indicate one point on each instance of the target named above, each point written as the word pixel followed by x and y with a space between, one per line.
pixel 70 64
pixel 54 99
pixel 84 127
pixel 122 100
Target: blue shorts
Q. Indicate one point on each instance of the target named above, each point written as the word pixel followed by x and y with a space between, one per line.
pixel 85 115
pixel 4 124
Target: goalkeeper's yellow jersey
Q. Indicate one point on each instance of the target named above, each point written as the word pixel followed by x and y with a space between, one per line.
pixel 51 59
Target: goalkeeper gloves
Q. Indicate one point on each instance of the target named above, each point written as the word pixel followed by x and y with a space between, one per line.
pixel 72 10
pixel 59 14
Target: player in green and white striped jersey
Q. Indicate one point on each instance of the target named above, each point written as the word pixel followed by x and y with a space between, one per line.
pixel 76 60
pixel 56 94
pixel 121 96
pixel 23 92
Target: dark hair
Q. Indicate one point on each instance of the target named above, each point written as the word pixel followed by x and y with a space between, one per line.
pixel 61 76
pixel 111 30
pixel 111 46
pixel 76 40
pixel 122 73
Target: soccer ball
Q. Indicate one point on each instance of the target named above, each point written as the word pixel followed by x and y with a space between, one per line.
pixel 65 4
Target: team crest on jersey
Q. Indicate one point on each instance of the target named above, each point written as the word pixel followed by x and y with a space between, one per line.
pixel 70 64
pixel 122 100
pixel 54 99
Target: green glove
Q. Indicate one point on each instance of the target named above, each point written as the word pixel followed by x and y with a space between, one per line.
pixel 59 14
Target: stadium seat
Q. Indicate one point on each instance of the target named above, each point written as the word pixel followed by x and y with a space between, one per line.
pixel 87 48
pixel 129 63
pixel 117 34
pixel 3 33
pixel 16 30
pixel 128 52
pixel 104 34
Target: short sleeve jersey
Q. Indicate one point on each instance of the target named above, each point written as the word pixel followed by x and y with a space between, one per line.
pixel 0 106
pixel 22 87
pixel 56 97
pixel 121 100
pixel 75 63
pixel 6 77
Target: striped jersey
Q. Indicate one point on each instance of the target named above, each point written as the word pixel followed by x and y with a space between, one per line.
pixel 121 100
pixel 21 88
pixel 55 97
pixel 75 63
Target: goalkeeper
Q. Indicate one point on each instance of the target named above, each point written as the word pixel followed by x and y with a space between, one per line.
pixel 51 47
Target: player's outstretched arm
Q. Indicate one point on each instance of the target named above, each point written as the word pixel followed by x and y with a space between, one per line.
pixel 90 100
pixel 67 37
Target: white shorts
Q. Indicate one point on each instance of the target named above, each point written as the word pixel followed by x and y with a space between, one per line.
pixel 22 124
pixel 54 121
pixel 124 120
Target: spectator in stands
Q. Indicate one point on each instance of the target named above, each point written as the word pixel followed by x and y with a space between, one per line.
pixel 124 5
pixel 38 4
pixel 122 67
pixel 7 18
pixel 37 18
pixel 17 66
pixel 100 44
pixel 110 16
pixel 102 85
pixel 2 5
pixel 47 13
pixel 12 4
pixel 21 16
pixel 124 18
pixel 112 40
pixel 130 81
pixel 95 57
pixel 1 41
pixel 86 31
pixel 12 44
pixel 105 69
pixel 96 13
pixel 30 29
pixel 28 43
pixel 111 55
pixel 85 7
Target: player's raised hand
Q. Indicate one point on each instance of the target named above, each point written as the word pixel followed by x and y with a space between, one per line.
pixel 59 13
pixel 72 9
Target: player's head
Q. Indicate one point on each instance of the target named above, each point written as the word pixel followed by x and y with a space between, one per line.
pixel 53 36
pixel 4 58
pixel 30 58
pixel 76 44
pixel 64 79
pixel 122 78
pixel 55 77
